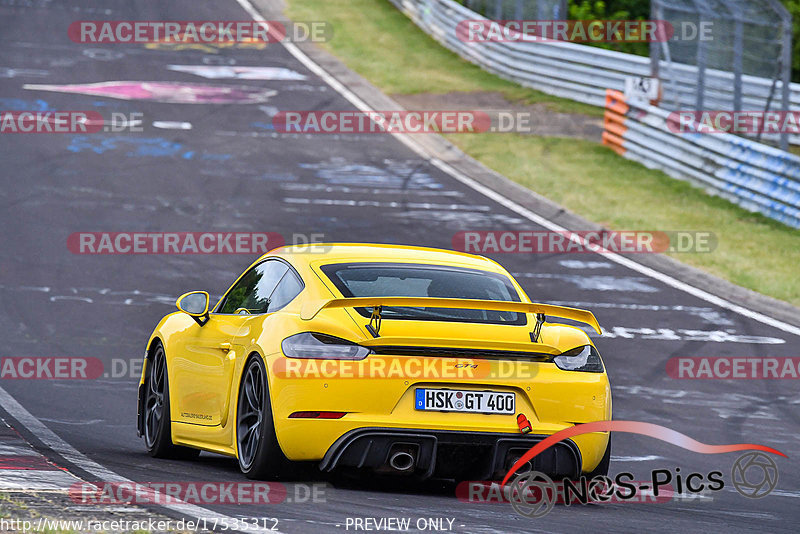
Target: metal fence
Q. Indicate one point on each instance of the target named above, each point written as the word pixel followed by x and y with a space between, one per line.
pixel 755 176
pixel 740 37
pixel 519 9
pixel 581 72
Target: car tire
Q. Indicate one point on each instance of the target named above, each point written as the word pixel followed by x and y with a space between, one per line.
pixel 157 431
pixel 257 449
pixel 604 465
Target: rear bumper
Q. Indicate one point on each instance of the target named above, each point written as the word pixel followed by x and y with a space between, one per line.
pixel 450 454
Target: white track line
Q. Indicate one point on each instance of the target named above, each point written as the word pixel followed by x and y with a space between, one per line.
pixel 510 204
pixel 72 455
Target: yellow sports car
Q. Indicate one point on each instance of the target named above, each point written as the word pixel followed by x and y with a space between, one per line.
pixel 393 359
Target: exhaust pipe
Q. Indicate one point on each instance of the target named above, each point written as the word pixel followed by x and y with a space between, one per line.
pixel 401 461
pixel 524 468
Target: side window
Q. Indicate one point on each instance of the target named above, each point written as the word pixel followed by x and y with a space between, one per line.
pixel 288 288
pixel 252 291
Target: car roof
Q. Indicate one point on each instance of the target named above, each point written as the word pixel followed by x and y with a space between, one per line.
pixel 328 253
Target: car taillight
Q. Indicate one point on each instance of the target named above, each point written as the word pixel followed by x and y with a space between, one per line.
pixel 323 347
pixel 585 359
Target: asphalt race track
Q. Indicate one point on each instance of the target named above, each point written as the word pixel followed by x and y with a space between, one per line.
pixel 232 172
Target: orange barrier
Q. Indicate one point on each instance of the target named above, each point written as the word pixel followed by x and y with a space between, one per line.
pixel 614 142
pixel 615 101
pixel 614 121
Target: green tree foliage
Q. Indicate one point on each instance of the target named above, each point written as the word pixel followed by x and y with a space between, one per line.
pixel 794 8
pixel 640 10
pixel 613 10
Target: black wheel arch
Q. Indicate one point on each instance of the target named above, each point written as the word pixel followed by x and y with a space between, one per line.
pixel 140 390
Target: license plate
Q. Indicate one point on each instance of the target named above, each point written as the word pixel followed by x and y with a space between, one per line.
pixel 453 400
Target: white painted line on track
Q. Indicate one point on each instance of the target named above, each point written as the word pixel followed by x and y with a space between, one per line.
pixel 73 456
pixel 510 204
pixel 172 125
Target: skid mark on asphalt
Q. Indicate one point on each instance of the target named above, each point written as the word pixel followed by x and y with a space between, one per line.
pixel 624 284
pixel 461 220
pixel 727 405
pixel 704 336
pixel 270 133
pixel 10 72
pixel 354 190
pixel 82 422
pixel 393 174
pixel 56 298
pixel 387 205
pixel 783 493
pixel 240 73
pixel 98 295
pixel 708 315
pixel 463 215
pixel 579 264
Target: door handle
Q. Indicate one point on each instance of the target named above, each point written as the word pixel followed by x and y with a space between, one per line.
pixel 225 346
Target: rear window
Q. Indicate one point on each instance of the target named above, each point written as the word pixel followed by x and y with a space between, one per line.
pixel 413 280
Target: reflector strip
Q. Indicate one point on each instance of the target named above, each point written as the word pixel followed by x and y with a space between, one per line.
pixel 317 415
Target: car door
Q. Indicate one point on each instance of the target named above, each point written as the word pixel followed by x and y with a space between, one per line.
pixel 204 359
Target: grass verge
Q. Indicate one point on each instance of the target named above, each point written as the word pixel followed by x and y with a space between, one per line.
pixel 368 33
pixel 384 46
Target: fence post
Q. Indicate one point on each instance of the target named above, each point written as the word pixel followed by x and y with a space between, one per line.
pixel 738 44
pixel 786 64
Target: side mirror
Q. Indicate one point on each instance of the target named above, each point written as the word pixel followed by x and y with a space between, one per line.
pixel 194 303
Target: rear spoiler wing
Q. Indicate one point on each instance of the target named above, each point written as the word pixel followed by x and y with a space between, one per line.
pixel 312 308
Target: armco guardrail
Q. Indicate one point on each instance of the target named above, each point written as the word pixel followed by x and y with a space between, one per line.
pixel 581 72
pixel 755 176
